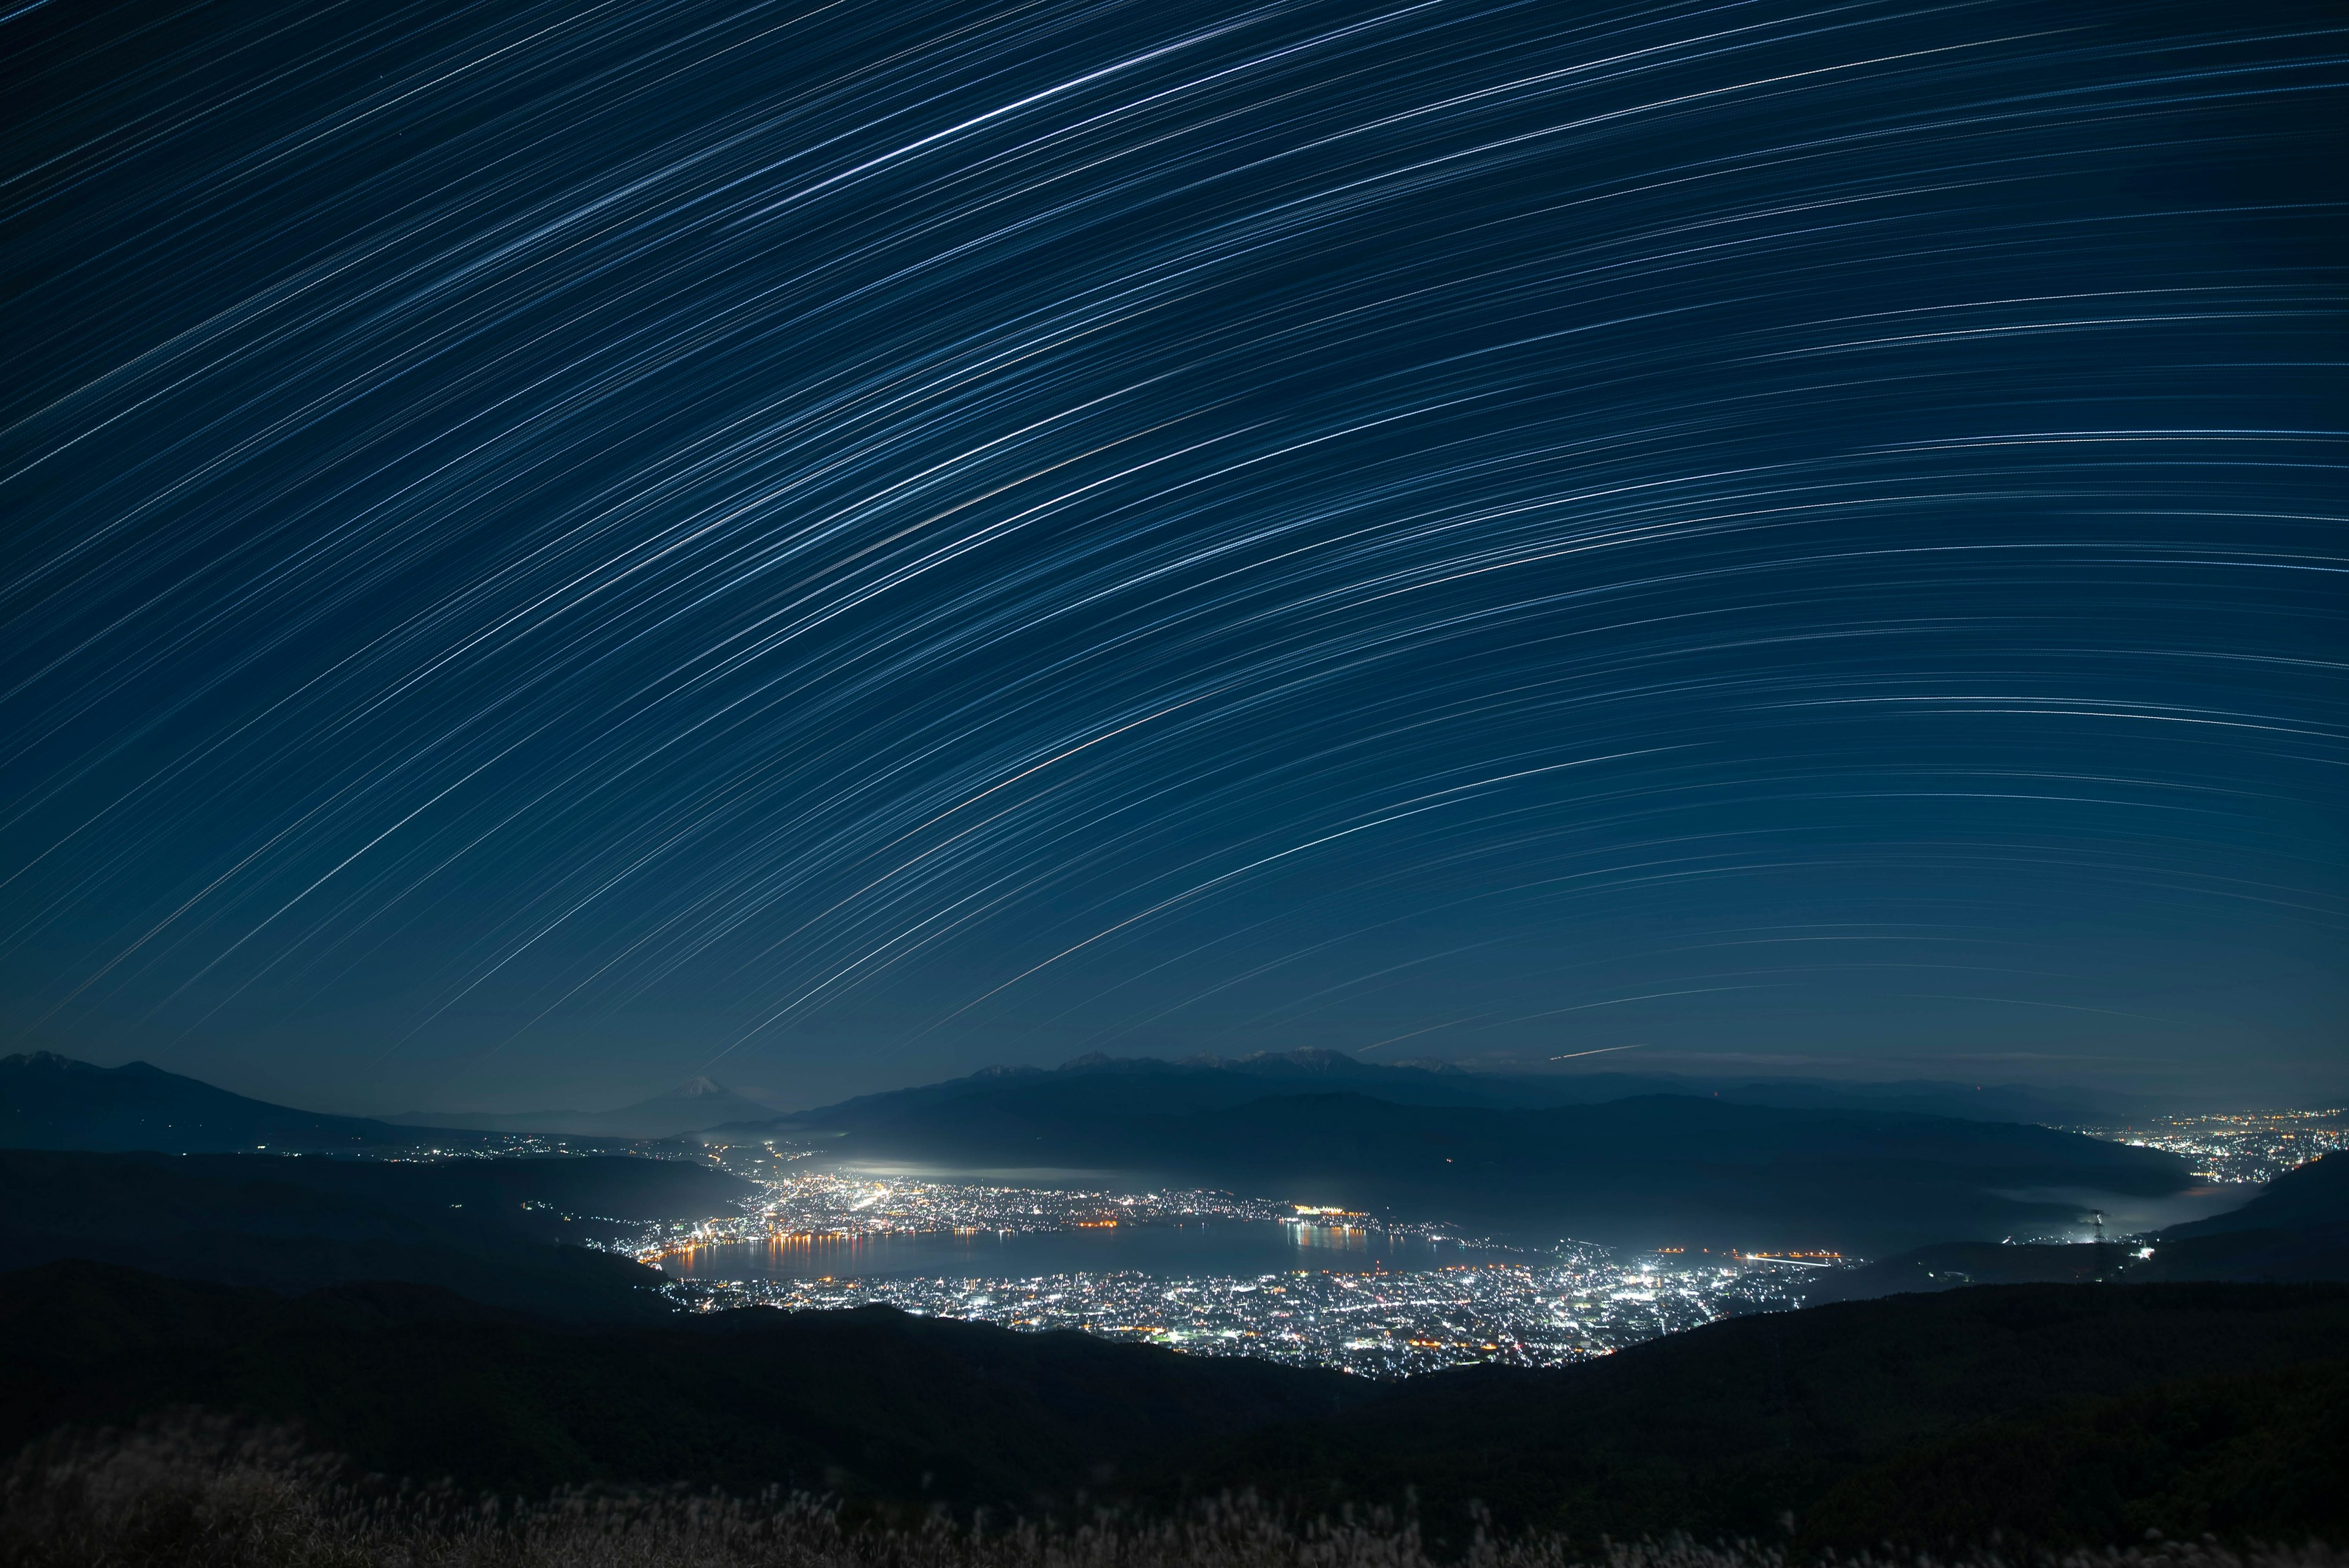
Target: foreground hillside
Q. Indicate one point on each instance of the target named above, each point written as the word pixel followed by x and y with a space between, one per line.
pixel 2182 1408
pixel 412 1381
pixel 195 1492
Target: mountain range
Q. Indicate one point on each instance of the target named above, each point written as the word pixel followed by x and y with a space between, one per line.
pixel 49 1101
pixel 1203 1082
pixel 1644 1169
pixel 1420 1144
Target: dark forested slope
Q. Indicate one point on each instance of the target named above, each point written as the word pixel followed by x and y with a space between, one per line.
pixel 1844 1416
pixel 422 1383
pixel 493 1228
pixel 2054 1412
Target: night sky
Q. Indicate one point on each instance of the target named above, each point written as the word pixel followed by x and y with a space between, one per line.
pixel 550 547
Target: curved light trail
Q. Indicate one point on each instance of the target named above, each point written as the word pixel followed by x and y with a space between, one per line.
pixel 554 544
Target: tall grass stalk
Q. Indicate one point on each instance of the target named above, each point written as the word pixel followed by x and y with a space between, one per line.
pixel 195 1491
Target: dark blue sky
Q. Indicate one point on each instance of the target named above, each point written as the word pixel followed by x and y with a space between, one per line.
pixel 554 546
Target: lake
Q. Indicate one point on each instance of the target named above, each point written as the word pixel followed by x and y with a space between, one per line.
pixel 1242 1246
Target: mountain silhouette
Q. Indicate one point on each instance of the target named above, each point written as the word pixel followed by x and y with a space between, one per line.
pixel 49 1101
pixel 495 1230
pixel 1205 1081
pixel 697 1104
pixel 1647 1169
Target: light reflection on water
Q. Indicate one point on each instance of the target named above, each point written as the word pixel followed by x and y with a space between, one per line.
pixel 1200 1247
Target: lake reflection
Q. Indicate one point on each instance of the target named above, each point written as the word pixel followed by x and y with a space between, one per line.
pixel 1201 1247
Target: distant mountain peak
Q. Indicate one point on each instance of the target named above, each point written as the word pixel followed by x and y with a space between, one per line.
pixel 700 1087
pixel 53 1062
pixel 50 1062
pixel 1312 1058
pixel 1303 1058
pixel 56 1102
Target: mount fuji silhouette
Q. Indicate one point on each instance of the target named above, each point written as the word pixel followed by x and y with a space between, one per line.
pixel 698 1103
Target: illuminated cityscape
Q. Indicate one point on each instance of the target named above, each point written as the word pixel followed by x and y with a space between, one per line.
pixel 1353 1308
pixel 1544 1313
pixel 1511 1306
pixel 826 1202
pixel 2237 1145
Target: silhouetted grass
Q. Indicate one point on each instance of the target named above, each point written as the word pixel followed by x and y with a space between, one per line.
pixel 196 1491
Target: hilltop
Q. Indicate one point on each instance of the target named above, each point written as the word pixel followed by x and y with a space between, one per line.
pixel 49 1101
pixel 1208 1081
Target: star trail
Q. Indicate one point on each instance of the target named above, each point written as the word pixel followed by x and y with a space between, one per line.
pixel 552 547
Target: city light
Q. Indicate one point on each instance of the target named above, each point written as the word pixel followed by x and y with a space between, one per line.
pixel 2236 1145
pixel 1513 1306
